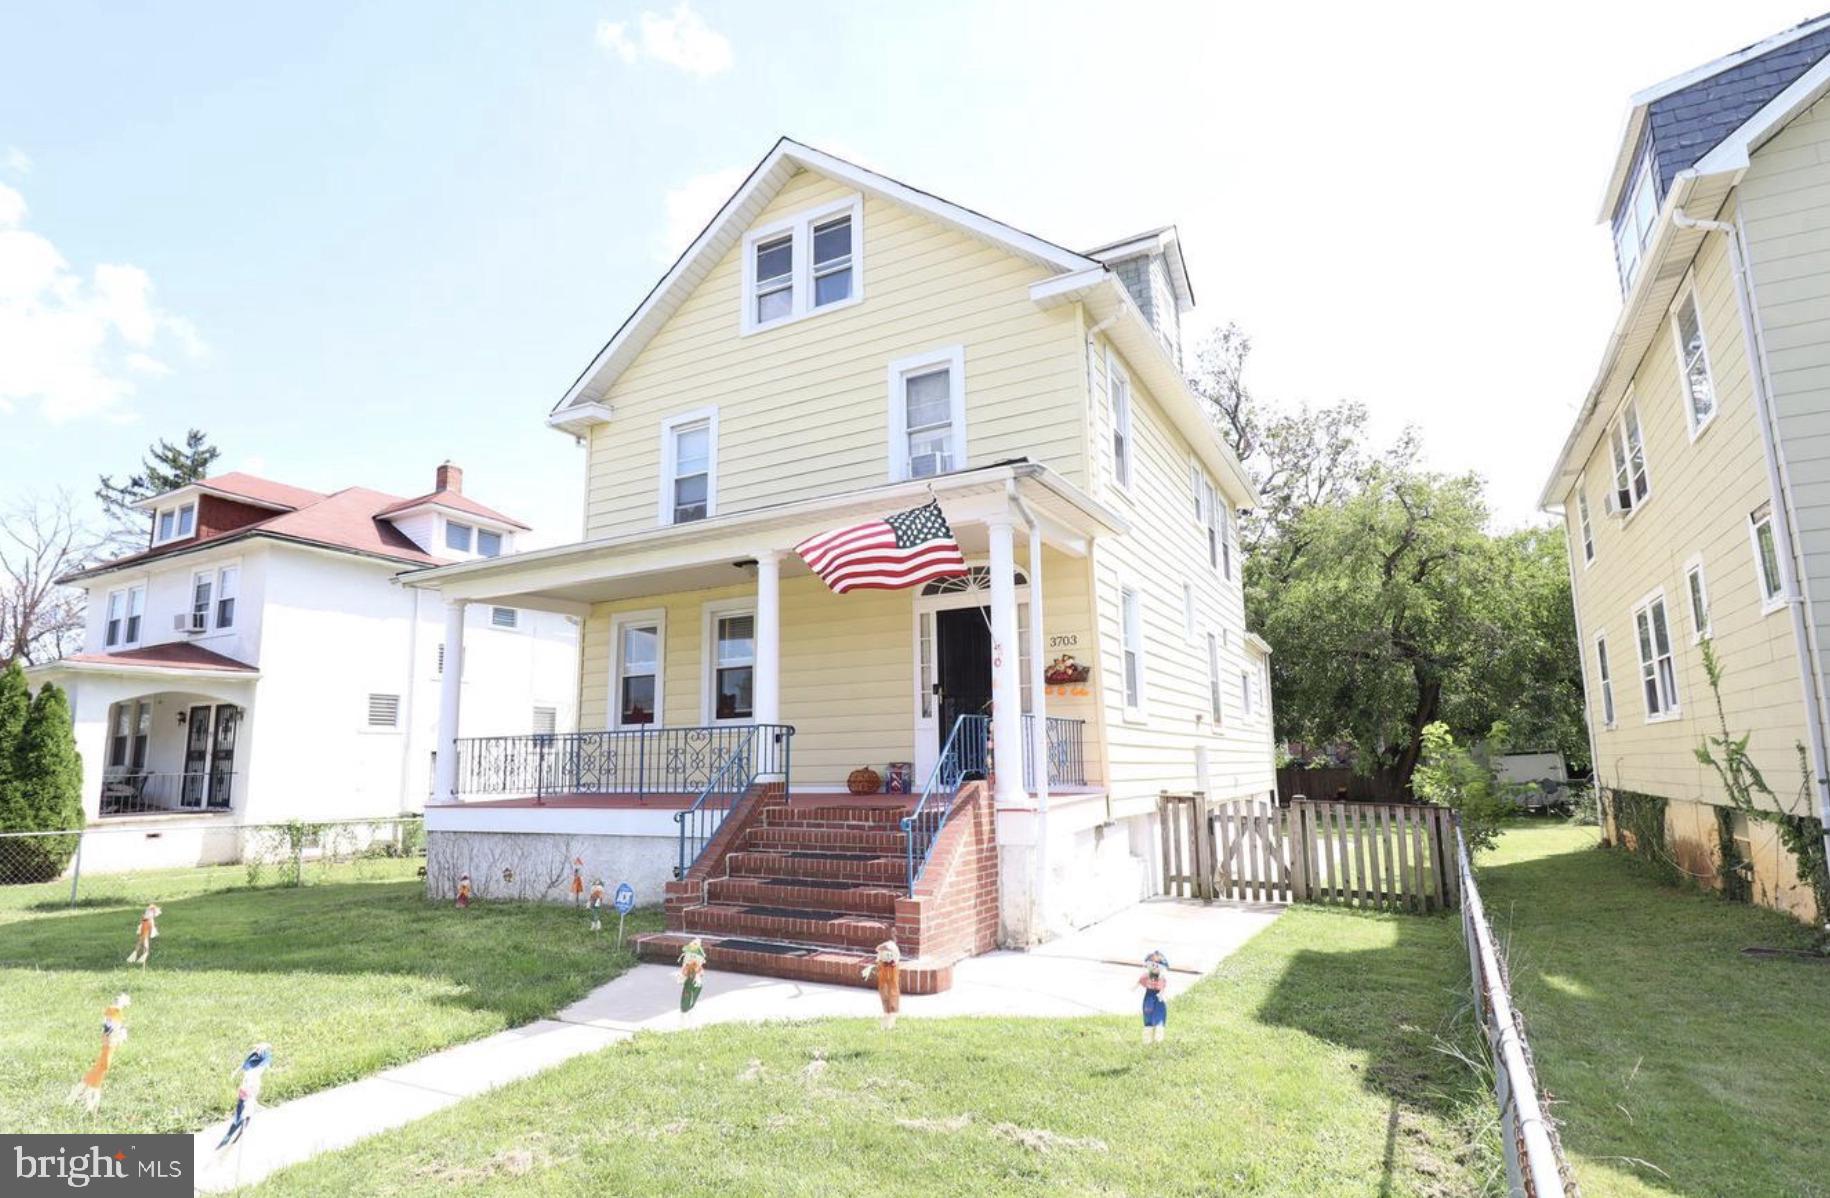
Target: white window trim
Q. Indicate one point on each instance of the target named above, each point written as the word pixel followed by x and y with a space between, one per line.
pixel 175 511
pixel 800 225
pixel 1189 630
pixel 1675 709
pixel 1116 373
pixel 1606 701
pixel 1688 292
pixel 446 524
pixel 210 626
pixel 1630 404
pixel 1216 685
pixel 1641 178
pixel 1133 712
pixel 954 358
pixel 1695 566
pixel 613 710
pixel 664 499
pixel 1773 603
pixel 710 613
pixel 1585 520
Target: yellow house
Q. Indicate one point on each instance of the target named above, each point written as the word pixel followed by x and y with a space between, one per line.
pixel 834 348
pixel 1696 482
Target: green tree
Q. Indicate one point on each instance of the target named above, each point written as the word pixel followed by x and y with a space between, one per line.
pixel 15 705
pixel 1450 774
pixel 47 789
pixel 165 467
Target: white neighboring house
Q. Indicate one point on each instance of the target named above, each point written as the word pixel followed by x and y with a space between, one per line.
pixel 258 662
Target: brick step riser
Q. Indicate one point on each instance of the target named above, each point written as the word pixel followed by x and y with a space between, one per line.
pixel 757 893
pixel 825 840
pixel 875 818
pixel 710 921
pixel 838 968
pixel 883 871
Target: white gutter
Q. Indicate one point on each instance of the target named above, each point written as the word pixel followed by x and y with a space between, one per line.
pixel 1038 723
pixel 1796 601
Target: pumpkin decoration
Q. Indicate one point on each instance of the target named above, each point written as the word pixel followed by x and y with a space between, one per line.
pixel 864 781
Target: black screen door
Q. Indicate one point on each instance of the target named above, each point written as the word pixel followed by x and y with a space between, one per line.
pixel 196 756
pixel 222 755
pixel 964 659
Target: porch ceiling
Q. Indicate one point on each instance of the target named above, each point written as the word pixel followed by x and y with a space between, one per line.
pixel 707 553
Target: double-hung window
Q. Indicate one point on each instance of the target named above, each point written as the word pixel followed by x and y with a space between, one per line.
pixel 1631 483
pixel 638 673
pixel 1657 667
pixel 489 544
pixel 1697 588
pixel 733 665
pixel 928 414
pixel 1582 516
pixel 175 523
pixel 1213 678
pixel 203 593
pixel 457 536
pixel 228 588
pixel 1188 611
pixel 805 263
pixel 1118 394
pixel 111 631
pixel 689 467
pixel 1693 364
pixel 1131 621
pixel 1245 692
pixel 1769 567
pixel 1606 678
pixel 136 610
pixel 1633 227
pixel 1210 518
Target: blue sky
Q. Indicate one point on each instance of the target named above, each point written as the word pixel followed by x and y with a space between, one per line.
pixel 353 240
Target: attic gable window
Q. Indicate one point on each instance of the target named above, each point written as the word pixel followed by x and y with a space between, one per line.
pixel 1634 224
pixel 808 262
pixel 174 523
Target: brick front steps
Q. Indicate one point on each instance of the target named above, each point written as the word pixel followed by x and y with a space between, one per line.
pixel 806 889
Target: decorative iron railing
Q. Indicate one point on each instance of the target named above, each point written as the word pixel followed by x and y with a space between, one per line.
pixel 723 791
pixel 965 755
pixel 638 761
pixel 129 792
pixel 1065 751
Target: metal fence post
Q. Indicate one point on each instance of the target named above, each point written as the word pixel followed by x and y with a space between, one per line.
pixel 76 868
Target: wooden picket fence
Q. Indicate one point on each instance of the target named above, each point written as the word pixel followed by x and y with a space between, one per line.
pixel 1387 856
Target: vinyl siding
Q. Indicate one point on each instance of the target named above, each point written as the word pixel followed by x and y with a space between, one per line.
pixel 1785 209
pixel 848 667
pixel 1702 492
pixel 1163 549
pixel 803 408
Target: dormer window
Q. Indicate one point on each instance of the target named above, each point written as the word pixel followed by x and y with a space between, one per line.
pixel 802 264
pixel 489 544
pixel 1633 226
pixel 465 538
pixel 174 523
pixel 457 536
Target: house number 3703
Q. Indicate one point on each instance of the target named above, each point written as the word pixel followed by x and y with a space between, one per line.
pixel 1064 640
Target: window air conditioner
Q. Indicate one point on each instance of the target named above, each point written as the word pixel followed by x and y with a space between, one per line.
pixel 926 465
pixel 190 621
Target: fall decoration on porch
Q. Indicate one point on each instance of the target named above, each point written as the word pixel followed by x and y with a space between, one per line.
pixel 888 968
pixel 864 781
pixel 149 931
pixel 900 777
pixel 114 1032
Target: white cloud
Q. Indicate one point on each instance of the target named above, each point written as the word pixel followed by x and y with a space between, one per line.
pixel 692 204
pixel 73 344
pixel 680 39
pixel 15 160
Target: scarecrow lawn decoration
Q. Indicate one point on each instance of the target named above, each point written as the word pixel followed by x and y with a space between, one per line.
pixel 114 1034
pixel 888 968
pixel 691 975
pixel 247 1093
pixel 463 897
pixel 149 931
pixel 596 904
pixel 1154 981
pixel 578 880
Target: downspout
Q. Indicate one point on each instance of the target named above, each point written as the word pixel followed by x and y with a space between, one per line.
pixel 1038 716
pixel 407 696
pixel 1796 601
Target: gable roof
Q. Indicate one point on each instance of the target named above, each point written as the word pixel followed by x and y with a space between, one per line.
pixel 1164 240
pixel 243 488
pixel 172 655
pixel 455 501
pixel 783 161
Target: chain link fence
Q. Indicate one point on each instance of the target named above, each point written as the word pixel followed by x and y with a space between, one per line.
pixel 116 864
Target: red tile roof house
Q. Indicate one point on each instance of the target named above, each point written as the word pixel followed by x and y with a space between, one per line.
pixel 259 662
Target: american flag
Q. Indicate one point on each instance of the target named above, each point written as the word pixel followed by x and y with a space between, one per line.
pixel 899 551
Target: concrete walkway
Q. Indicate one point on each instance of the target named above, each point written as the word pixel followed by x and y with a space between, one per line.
pixel 1092 972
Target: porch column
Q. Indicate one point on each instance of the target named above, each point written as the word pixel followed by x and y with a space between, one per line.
pixel 767 701
pixel 1006 676
pixel 450 699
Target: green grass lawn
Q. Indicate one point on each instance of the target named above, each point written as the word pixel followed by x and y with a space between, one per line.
pixel 1677 1066
pixel 1309 1064
pixel 343 977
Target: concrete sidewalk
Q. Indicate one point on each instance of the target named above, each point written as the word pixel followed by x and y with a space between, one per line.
pixel 1092 972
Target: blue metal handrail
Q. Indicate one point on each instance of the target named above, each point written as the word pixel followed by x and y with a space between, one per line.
pixel 965 753
pixel 764 750
pixel 1064 749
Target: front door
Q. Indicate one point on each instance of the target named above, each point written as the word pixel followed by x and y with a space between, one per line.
pixel 222 755
pixel 963 659
pixel 196 756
